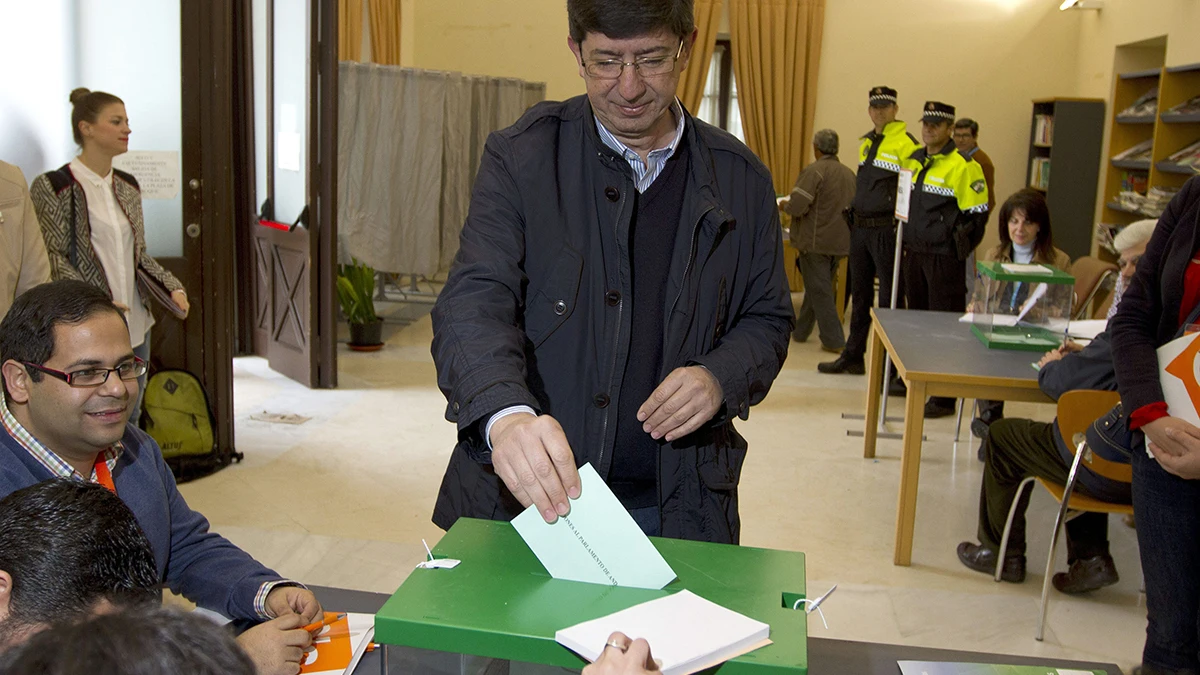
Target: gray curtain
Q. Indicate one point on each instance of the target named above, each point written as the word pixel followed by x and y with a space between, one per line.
pixel 409 144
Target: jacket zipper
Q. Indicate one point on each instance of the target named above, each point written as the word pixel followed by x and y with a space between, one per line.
pixel 687 269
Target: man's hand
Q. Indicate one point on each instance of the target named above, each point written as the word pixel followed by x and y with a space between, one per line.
pixel 1050 356
pixel 285 600
pixel 1070 347
pixel 689 397
pixel 531 454
pixel 784 203
pixel 277 646
pixel 633 658
pixel 1175 443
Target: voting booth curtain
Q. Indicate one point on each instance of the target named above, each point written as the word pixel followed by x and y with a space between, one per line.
pixel 409 145
pixel 776 52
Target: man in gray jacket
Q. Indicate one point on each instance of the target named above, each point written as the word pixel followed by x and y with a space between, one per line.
pixel 618 296
pixel 820 234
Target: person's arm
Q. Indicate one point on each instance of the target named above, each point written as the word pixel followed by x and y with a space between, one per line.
pixel 972 194
pixel 749 356
pixel 35 263
pixel 805 192
pixel 1090 368
pixel 989 176
pixel 54 214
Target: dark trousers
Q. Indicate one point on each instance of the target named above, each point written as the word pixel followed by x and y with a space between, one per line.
pixel 1167 511
pixel 872 254
pixel 1014 450
pixel 819 308
pixel 934 281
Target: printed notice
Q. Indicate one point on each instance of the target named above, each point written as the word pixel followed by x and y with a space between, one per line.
pixel 156 171
pixel 904 194
pixel 597 542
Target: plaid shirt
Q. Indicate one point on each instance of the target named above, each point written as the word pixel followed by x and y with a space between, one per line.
pixel 59 467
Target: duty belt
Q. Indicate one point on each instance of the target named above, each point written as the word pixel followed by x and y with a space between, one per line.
pixel 874 221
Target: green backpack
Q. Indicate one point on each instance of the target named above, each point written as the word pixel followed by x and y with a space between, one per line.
pixel 176 414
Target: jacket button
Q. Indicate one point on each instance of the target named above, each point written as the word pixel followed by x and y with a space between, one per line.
pixel 612 194
pixel 455 406
pixel 601 400
pixel 560 308
pixel 613 298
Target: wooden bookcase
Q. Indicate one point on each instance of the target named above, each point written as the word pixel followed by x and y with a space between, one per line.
pixel 1073 152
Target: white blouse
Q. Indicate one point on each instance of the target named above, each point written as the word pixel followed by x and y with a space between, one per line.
pixel 113 241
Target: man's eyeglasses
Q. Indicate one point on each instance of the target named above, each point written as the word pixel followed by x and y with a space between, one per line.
pixel 649 66
pixel 94 377
pixel 1129 262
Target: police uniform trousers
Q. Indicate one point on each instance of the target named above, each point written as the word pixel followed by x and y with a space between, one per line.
pixel 934 281
pixel 872 254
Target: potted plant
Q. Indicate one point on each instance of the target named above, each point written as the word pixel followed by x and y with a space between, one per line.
pixel 356 292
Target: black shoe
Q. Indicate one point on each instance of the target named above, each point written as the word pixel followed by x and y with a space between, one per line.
pixel 983 560
pixel 980 453
pixel 843 365
pixel 934 410
pixel 979 428
pixel 897 388
pixel 1087 574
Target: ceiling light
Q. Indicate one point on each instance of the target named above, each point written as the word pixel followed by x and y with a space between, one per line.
pixel 1081 4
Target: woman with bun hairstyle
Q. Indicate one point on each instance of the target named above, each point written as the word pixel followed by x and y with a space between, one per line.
pixel 91 216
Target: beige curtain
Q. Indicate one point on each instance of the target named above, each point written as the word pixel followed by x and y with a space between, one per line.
pixel 776 51
pixel 350 30
pixel 385 31
pixel 691 85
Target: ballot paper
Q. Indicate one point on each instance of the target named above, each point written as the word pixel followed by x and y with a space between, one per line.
pixel 1026 268
pixel 1087 329
pixel 597 542
pixel 686 633
pixel 951 668
pixel 1179 371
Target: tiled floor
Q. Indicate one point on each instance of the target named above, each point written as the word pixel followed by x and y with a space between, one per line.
pixel 345 499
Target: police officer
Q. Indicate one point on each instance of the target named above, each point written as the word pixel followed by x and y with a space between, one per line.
pixel 946 219
pixel 881 152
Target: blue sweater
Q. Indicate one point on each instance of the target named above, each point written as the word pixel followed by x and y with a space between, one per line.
pixel 202 566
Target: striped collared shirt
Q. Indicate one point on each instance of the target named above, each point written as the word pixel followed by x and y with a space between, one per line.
pixel 47 457
pixel 644 173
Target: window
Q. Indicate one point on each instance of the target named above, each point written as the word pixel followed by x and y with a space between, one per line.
pixel 719 105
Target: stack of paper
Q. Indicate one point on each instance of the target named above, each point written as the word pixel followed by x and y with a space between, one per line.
pixel 686 633
pixel 951 668
pixel 339 646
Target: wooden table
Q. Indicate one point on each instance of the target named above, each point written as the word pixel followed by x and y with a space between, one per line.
pixel 936 355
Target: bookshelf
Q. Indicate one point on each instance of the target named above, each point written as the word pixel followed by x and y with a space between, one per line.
pixel 1160 135
pixel 1065 138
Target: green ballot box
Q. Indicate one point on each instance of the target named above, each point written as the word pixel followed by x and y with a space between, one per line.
pixel 501 603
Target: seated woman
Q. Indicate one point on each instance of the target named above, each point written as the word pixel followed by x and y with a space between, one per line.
pixel 1025 237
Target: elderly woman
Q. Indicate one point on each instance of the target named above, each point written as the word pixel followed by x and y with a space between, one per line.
pixel 1130 243
pixel 1162 300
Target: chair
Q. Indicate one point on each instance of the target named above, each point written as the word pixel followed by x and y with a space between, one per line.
pixel 1091 276
pixel 1076 412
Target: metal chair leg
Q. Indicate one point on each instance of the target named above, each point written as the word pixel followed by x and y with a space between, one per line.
pixel 1026 484
pixel 958 420
pixel 1058 525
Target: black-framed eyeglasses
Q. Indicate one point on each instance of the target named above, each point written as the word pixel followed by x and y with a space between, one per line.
pixel 650 66
pixel 94 377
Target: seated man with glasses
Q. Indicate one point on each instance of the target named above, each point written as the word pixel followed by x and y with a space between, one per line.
pixel 64 414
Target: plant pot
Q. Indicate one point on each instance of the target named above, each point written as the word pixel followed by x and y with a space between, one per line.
pixel 366 337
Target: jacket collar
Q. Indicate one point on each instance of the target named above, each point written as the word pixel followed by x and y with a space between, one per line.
pixel 923 152
pixel 891 128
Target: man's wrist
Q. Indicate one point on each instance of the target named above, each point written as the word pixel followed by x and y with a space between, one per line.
pixel 511 410
pixel 260 598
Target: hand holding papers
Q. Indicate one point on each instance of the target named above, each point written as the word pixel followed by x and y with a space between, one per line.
pixel 598 542
pixel 1175 440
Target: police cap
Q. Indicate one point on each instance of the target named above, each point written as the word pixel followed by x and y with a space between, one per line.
pixel 936 111
pixel 881 96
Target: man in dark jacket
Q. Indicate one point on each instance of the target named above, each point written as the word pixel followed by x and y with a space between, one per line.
pixel 618 297
pixel 1016 448
pixel 821 237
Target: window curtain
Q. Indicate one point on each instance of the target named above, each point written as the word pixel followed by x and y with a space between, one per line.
pixel 385 31
pixel 691 85
pixel 350 30
pixel 776 52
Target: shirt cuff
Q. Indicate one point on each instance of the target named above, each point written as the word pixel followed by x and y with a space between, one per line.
pixel 260 598
pixel 1147 414
pixel 511 410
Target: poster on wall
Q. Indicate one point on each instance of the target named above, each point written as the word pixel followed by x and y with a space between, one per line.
pixel 156 171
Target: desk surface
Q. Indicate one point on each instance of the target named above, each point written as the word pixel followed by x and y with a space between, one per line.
pixel 926 344
pixel 825 656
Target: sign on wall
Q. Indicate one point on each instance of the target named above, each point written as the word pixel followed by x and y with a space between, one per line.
pixel 157 171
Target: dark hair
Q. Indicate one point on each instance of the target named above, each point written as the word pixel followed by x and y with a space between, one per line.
pixel 967 123
pixel 86 106
pixel 623 19
pixel 68 545
pixel 27 331
pixel 1033 205
pixel 142 641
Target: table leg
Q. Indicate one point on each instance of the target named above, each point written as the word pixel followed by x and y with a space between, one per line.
pixel 910 471
pixel 875 351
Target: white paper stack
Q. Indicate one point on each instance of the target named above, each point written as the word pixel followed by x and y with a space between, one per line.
pixel 686 633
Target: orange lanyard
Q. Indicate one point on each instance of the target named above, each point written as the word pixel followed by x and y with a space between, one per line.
pixel 103 475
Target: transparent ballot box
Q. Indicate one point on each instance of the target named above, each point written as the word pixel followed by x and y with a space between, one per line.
pixel 1024 307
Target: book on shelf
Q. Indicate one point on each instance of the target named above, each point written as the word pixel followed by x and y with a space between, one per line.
pixel 1188 107
pixel 1039 173
pixel 1145 106
pixel 1151 204
pixel 1043 132
pixel 1134 181
pixel 1141 152
pixel 1188 156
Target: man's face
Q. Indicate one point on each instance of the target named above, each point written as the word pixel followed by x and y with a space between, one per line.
pixel 1129 260
pixel 935 134
pixel 635 107
pixel 964 140
pixel 882 115
pixel 78 422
